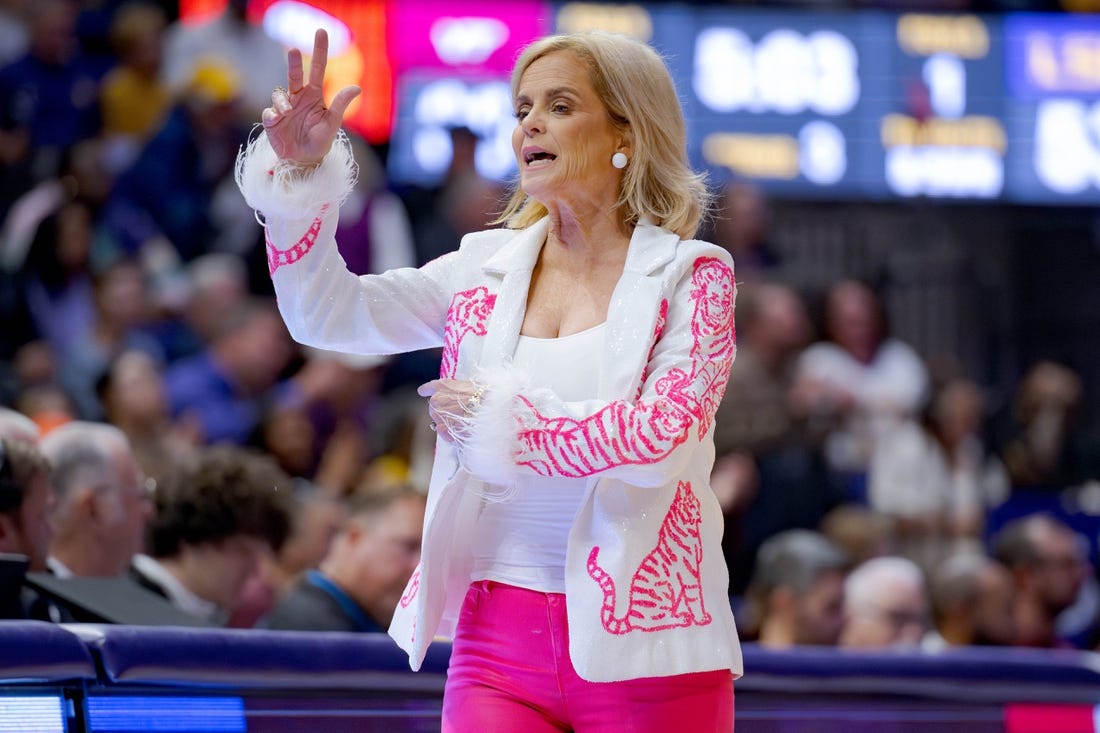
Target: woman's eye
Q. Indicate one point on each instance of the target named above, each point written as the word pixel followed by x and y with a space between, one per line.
pixel 561 108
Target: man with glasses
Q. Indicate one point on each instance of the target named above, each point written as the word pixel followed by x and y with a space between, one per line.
pixel 104 503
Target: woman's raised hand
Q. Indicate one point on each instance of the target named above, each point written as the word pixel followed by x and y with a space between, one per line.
pixel 299 126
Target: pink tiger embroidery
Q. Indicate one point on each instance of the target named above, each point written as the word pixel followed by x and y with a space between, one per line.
pixel 468 313
pixel 658 329
pixel 619 434
pixel 646 431
pixel 715 336
pixel 666 590
pixel 411 589
pixel 276 258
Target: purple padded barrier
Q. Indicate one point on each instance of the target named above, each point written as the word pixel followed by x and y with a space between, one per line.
pixel 36 652
pixel 258 659
pixel 968 674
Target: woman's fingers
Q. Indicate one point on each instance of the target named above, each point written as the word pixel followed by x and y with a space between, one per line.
pixel 320 59
pixel 294 70
pixel 343 98
pixel 270 117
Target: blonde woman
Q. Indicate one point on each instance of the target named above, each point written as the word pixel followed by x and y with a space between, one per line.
pixel 571 543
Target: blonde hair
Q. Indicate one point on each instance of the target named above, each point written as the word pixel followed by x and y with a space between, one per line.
pixel 636 88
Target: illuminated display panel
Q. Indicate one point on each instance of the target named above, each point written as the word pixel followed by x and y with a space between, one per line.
pixel 168 713
pixel 455 59
pixel 1053 74
pixel 778 98
pixel 865 105
pixel 358 52
pixel 32 714
pixel 943 134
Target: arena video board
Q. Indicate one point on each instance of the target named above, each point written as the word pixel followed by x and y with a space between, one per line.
pixel 831 105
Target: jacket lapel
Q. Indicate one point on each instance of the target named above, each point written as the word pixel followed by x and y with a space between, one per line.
pixel 632 315
pixel 512 264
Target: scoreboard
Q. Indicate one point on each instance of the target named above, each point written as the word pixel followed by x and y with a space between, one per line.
pixel 863 104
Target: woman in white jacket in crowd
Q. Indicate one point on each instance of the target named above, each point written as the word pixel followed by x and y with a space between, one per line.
pixel 572 542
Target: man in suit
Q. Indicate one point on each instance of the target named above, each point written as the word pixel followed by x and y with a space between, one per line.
pixel 104 504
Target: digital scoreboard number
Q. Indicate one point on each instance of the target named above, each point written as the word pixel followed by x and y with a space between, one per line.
pixel 943 135
pixel 775 98
pixel 1053 75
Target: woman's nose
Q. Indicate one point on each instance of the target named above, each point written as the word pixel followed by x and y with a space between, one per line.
pixel 532 123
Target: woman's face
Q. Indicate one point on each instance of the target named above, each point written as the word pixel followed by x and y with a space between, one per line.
pixel 564 138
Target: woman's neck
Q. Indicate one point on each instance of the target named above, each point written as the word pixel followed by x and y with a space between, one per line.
pixel 588 238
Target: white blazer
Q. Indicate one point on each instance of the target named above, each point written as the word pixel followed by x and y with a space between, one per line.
pixel 646 582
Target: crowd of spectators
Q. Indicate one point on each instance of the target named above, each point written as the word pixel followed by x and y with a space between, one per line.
pixel 159 424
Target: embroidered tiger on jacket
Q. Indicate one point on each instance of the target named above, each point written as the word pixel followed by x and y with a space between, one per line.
pixel 665 591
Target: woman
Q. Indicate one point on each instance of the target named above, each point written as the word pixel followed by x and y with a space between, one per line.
pixel 585 349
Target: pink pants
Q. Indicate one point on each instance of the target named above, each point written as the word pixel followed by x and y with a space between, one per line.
pixel 510 671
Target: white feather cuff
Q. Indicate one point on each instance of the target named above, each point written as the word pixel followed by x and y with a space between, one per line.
pixel 277 188
pixel 490 442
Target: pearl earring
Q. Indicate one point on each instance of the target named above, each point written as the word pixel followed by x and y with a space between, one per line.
pixel 619 160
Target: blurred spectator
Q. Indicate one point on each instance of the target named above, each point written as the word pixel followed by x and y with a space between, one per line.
pixel 14 38
pixel 134 100
pixel 1048 566
pixel 218 283
pixel 935 477
pixel 860 531
pixel 769 475
pixel 796 595
pixel 214 521
pixel 132 393
pixel 57 277
pixel 374 233
pixel 103 503
pixel 361 580
pixel 1043 449
pixel 318 517
pixel 47 404
pixel 26 502
pixel 462 203
pixel 229 40
pixel 224 386
pixel 859 381
pixel 14 425
pixel 772 330
pixel 740 224
pixel 885 605
pixel 48 100
pixel 338 393
pixel 197 144
pixel 971 603
pixel 121 310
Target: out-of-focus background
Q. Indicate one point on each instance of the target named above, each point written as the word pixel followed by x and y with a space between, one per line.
pixel 909 190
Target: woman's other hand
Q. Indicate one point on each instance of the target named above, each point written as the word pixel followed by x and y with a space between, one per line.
pixel 451 403
pixel 299 126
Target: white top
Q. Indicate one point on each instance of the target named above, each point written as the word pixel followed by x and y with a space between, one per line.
pixel 521 540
